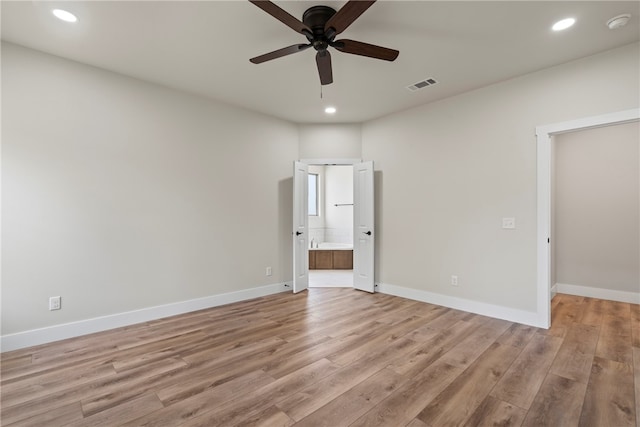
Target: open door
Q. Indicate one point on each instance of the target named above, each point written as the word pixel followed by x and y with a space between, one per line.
pixel 363 232
pixel 300 227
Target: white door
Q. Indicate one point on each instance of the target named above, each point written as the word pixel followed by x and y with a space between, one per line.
pixel 363 232
pixel 300 227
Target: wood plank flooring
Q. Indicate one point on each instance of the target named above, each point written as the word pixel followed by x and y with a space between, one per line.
pixel 337 357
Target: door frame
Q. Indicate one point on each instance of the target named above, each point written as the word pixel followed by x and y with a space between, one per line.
pixel 330 162
pixel 544 140
pixel 334 162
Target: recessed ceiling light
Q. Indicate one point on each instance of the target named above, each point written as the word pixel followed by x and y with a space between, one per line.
pixel 64 15
pixel 330 110
pixel 618 21
pixel 563 24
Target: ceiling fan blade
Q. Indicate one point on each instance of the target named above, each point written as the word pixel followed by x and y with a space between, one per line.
pixel 323 59
pixel 280 53
pixel 283 16
pixel 346 15
pixel 365 49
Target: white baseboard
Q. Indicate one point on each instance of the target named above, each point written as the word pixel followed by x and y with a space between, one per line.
pixel 608 294
pixel 99 324
pixel 484 309
pixel 554 291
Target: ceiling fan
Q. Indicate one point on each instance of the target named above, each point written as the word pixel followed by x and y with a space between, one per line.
pixel 320 25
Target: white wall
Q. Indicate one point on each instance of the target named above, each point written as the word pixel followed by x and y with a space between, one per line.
pixel 317 222
pixel 597 218
pixel 332 141
pixel 448 172
pixel 119 195
pixel 335 186
pixel 328 141
pixel 339 190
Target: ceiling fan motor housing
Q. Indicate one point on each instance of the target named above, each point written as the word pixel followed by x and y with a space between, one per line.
pixel 315 18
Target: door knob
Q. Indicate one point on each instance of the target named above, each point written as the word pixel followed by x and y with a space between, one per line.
pixel 368 233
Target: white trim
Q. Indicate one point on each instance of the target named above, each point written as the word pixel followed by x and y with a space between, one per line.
pixel 99 324
pixel 554 291
pixel 543 292
pixel 484 309
pixel 319 162
pixel 602 293
pixel 617 118
pixel 544 134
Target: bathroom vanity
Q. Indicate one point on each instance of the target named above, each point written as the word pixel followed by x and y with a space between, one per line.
pixel 331 256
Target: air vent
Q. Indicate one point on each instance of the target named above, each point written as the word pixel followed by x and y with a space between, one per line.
pixel 422 84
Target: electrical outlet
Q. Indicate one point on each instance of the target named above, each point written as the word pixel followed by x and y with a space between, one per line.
pixel 509 223
pixel 55 303
pixel 454 280
pixel 269 271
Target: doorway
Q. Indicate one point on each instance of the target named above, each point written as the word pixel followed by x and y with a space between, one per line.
pixel 360 236
pixel 595 222
pixel 330 226
pixel 544 136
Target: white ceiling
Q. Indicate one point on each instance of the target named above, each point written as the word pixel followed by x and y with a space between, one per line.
pixel 204 47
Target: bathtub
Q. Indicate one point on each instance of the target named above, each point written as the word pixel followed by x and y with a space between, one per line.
pixel 328 246
pixel 331 256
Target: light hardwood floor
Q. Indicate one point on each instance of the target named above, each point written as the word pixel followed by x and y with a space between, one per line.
pixel 337 357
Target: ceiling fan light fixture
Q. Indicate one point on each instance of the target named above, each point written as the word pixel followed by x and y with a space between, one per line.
pixel 563 24
pixel 330 110
pixel 64 15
